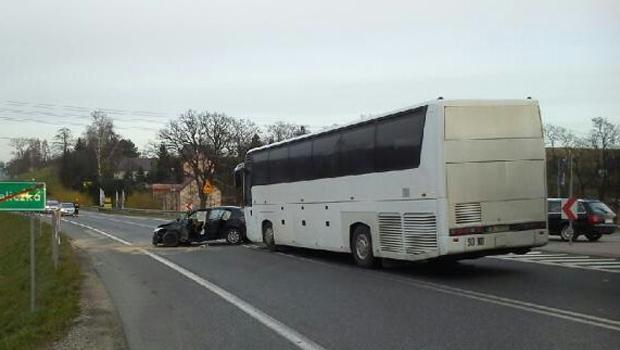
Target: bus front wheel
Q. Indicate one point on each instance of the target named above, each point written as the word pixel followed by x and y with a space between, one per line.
pixel 361 247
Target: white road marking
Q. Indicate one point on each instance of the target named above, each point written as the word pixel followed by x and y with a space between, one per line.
pixel 126 216
pixel 598 263
pixel 594 261
pixel 538 256
pixel 283 330
pixel 565 260
pixel 489 298
pixel 99 232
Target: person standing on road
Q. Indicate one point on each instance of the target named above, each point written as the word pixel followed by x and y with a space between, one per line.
pixel 76 205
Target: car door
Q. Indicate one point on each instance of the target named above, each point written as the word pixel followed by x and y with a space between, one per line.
pixel 213 223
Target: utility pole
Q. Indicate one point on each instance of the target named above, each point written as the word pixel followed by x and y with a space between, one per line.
pixel 570 195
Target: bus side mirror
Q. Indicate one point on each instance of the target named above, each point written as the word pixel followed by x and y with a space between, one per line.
pixel 239 172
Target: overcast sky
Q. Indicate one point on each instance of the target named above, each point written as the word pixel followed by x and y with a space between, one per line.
pixel 314 62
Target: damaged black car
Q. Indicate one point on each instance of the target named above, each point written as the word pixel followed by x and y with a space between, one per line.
pixel 203 225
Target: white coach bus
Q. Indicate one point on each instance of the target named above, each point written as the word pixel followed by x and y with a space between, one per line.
pixel 460 179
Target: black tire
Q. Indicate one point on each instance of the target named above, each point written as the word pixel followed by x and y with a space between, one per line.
pixel 156 239
pixel 269 238
pixel 593 237
pixel 565 236
pixel 170 239
pixel 361 247
pixel 233 236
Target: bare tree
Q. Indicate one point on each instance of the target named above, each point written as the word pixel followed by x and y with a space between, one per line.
pixel 63 141
pixel 603 137
pixel 552 138
pixel 100 134
pixel 20 146
pixel 280 131
pixel 201 140
pixel 245 134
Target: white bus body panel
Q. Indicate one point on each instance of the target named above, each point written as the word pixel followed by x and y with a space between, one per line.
pixel 481 152
pixel 495 172
pixel 347 200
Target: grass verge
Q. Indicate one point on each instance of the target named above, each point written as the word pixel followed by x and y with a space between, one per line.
pixel 57 293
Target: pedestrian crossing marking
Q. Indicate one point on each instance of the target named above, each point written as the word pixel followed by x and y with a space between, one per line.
pixel 566 260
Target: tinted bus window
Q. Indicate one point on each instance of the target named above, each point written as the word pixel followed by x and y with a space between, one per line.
pixel 300 161
pixel 260 169
pixel 278 158
pixel 324 160
pixel 399 141
pixel 357 151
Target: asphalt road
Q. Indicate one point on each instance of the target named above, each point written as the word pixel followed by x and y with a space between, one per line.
pixel 245 297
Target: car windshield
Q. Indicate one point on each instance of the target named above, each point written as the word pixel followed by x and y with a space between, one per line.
pixel 50 203
pixel 600 208
pixel 67 205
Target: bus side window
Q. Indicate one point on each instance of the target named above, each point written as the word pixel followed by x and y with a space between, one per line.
pixel 357 151
pixel 400 136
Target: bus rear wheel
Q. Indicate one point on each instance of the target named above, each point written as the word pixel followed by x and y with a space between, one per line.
pixel 268 238
pixel 361 247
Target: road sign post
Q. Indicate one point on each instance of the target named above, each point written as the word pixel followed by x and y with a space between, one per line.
pixel 569 205
pixel 25 197
pixel 33 264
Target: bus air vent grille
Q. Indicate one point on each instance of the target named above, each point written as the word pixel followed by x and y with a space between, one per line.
pixel 420 232
pixel 391 232
pixel 467 213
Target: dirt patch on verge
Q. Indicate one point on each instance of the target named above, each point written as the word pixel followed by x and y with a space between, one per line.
pixel 98 326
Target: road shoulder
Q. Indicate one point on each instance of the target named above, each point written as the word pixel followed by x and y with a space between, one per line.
pixel 98 326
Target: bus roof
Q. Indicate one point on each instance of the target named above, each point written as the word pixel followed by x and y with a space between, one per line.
pixel 436 102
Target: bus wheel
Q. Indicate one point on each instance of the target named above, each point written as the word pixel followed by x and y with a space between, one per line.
pixel 268 238
pixel 361 247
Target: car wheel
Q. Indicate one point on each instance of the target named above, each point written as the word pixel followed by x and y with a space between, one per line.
pixel 593 237
pixel 361 247
pixel 170 239
pixel 269 238
pixel 233 236
pixel 565 234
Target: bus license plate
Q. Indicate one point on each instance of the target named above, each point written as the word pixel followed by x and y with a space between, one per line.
pixel 474 241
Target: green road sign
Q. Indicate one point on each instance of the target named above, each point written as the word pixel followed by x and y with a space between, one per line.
pixel 22 196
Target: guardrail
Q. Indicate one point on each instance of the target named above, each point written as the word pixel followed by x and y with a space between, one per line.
pixel 167 214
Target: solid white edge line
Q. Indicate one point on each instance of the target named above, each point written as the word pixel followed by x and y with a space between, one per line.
pixel 99 232
pixel 280 328
pixel 494 299
pixel 288 333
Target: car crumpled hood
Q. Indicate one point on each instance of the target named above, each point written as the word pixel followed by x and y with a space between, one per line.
pixel 171 224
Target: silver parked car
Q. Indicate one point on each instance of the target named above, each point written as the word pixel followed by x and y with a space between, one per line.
pixel 51 205
pixel 67 209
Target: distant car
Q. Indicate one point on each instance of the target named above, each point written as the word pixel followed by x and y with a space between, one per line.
pixel 51 205
pixel 67 209
pixel 594 219
pixel 203 225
